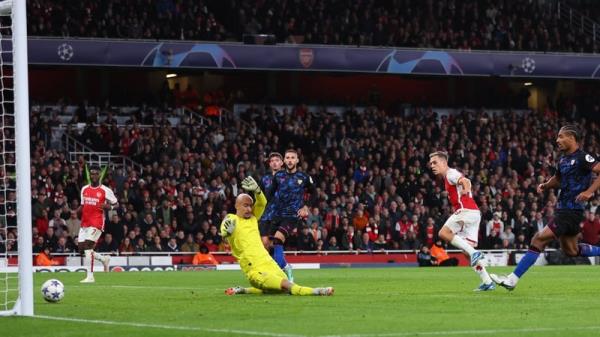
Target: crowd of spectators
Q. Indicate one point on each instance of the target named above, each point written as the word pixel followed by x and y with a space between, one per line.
pixel 374 190
pixel 129 19
pixel 470 24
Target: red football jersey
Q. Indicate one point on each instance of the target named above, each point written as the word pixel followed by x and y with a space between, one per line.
pixel 93 200
pixel 457 200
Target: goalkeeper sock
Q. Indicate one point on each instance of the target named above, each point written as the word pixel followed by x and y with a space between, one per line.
pixel 302 291
pixel 278 255
pixel 253 290
pixel 460 243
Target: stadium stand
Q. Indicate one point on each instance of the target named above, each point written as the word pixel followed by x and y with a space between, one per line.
pixel 468 25
pixel 371 174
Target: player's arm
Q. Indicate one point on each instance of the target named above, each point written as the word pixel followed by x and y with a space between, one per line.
pixel 311 189
pixel 465 183
pixel 260 203
pixel 111 200
pixel 270 192
pixel 227 225
pixel 589 193
pixel 553 182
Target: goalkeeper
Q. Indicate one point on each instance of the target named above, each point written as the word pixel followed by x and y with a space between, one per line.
pixel 241 230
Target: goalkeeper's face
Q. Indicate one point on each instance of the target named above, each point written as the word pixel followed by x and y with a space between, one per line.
pixel 243 206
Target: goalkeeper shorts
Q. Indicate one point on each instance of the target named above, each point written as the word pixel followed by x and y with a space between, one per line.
pixel 267 279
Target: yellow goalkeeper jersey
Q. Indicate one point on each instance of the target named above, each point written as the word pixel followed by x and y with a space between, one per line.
pixel 246 244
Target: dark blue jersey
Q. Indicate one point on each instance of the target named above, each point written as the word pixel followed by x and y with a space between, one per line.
pixel 575 173
pixel 266 183
pixel 288 192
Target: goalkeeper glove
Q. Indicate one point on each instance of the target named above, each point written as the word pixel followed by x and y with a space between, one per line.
pixel 228 225
pixel 250 185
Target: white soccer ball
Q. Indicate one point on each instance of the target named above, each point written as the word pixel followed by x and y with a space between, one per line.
pixel 53 290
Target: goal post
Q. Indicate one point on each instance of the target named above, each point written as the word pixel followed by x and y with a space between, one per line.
pixel 16 158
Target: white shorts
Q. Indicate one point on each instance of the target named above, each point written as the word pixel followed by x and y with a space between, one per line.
pixel 465 224
pixel 88 234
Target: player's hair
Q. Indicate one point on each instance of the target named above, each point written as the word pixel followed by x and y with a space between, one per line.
pixel 291 151
pixel 572 130
pixel 275 154
pixel 94 168
pixel 441 154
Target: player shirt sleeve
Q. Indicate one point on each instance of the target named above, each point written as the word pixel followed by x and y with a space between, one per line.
pixel 588 161
pixel 272 190
pixel 110 195
pixel 453 176
pixel 259 205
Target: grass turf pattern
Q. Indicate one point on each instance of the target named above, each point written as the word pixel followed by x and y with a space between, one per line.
pixel 549 301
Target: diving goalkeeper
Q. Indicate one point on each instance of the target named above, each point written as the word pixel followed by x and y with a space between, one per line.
pixel 241 230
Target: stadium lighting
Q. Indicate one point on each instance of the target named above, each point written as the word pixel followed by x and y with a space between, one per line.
pixel 171 75
pixel 527 84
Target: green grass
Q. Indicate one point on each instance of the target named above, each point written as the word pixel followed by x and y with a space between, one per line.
pixel 550 301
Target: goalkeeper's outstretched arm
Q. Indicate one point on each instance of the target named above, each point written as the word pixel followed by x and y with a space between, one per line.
pixel 260 203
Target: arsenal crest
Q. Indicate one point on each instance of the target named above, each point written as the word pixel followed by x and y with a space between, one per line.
pixel 306 57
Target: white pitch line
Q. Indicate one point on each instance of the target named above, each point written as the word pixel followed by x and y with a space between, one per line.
pixel 467 332
pixel 140 287
pixel 167 327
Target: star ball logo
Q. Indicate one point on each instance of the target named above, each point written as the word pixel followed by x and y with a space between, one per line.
pixel 65 52
pixel 528 65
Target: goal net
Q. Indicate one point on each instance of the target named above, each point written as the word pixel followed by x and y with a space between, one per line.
pixel 16 289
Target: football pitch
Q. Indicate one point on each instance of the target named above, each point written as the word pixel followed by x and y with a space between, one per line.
pixel 550 301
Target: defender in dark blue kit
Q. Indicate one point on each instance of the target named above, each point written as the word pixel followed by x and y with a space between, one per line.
pixel 266 220
pixel 287 192
pixel 574 178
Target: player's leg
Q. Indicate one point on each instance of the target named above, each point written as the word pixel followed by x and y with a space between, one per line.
pixel 538 244
pixel 469 233
pixel 455 224
pixel 271 279
pixel 282 232
pixel 241 290
pixel 104 259
pixel 568 244
pixel 85 249
pixel 264 227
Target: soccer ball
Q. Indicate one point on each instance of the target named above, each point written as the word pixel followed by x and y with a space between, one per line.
pixel 53 290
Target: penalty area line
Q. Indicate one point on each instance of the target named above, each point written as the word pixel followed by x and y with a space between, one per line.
pixel 164 326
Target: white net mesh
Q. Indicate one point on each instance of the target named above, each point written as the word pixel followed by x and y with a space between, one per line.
pixel 8 219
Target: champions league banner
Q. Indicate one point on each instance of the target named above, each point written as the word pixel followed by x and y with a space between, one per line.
pixel 173 55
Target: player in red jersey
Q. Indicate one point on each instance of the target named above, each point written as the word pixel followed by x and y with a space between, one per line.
pixel 95 198
pixel 462 228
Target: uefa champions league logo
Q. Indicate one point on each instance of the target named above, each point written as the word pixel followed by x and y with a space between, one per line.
pixel 65 52
pixel 528 65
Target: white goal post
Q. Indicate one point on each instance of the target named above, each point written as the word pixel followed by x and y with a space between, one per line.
pixel 15 109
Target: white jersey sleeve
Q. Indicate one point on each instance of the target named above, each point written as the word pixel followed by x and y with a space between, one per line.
pixel 110 195
pixel 453 176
